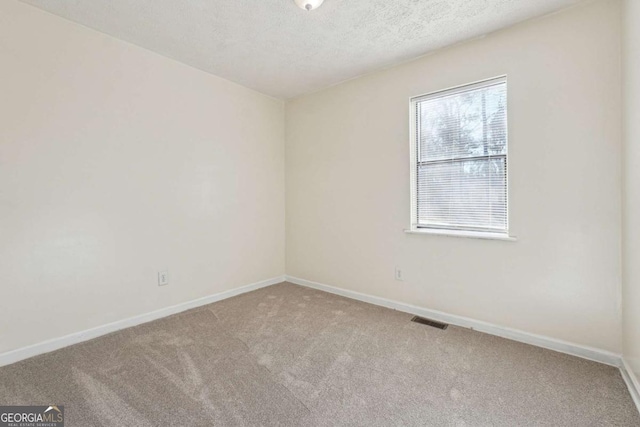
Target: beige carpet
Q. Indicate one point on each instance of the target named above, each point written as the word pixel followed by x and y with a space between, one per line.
pixel 291 356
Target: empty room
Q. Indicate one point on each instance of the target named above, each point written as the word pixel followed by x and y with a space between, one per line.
pixel 319 213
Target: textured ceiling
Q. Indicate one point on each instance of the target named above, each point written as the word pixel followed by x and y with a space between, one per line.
pixel 276 48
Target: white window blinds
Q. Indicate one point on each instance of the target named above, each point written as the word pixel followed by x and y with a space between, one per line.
pixel 460 167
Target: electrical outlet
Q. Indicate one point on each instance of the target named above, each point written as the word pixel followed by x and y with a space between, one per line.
pixel 163 278
pixel 399 275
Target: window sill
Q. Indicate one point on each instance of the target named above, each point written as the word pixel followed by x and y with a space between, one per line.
pixel 459 233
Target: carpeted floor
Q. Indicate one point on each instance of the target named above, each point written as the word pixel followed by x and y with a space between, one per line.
pixel 292 356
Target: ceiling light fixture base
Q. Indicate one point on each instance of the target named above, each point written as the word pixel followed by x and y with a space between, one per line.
pixel 309 4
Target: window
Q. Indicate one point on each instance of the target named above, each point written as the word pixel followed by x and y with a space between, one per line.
pixel 459 160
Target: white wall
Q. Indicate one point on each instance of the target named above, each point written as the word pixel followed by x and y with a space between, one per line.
pixel 115 163
pixel 347 173
pixel 631 167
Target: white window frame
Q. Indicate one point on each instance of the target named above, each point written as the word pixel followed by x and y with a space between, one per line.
pixel 414 228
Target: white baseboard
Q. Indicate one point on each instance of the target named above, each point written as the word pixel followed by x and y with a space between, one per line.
pixel 632 382
pixel 78 337
pixel 584 352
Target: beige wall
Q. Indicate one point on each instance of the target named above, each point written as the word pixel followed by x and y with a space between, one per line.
pixel 115 163
pixel 347 172
pixel 631 166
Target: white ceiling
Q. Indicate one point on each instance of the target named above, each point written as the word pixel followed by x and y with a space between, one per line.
pixel 276 48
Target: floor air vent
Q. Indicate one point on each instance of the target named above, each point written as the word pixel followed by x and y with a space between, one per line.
pixel 430 322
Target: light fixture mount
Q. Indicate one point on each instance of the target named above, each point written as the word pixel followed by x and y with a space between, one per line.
pixel 309 4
